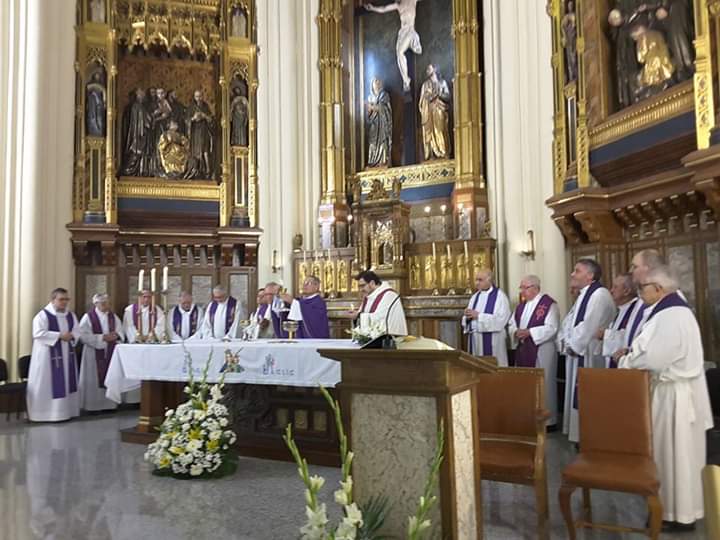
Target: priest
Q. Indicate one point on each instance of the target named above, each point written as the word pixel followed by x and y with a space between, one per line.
pixel 261 320
pixel 52 386
pixel 279 309
pixel 100 331
pixel 670 347
pixel 139 321
pixel 485 319
pixel 381 305
pixel 562 336
pixel 310 311
pixel 185 319
pixel 624 295
pixel 594 309
pixel 222 316
pixel 533 328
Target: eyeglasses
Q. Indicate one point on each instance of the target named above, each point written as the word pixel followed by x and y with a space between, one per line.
pixel 523 287
pixel 643 285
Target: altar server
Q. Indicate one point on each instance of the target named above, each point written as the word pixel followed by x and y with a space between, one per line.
pixel 261 320
pixel 222 316
pixel 533 328
pixel 185 319
pixel 138 319
pixel 100 331
pixel 670 347
pixel 593 309
pixel 52 386
pixel 624 295
pixel 381 306
pixel 310 311
pixel 485 319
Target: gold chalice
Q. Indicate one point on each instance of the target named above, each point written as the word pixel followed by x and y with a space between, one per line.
pixel 290 327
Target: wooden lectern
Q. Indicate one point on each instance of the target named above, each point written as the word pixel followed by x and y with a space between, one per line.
pixel 392 403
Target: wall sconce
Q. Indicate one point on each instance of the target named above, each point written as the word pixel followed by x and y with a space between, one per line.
pixel 529 250
pixel 274 264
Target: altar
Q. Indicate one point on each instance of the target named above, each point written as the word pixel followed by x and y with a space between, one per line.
pixel 270 384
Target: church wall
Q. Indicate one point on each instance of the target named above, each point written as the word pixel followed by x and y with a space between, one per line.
pixel 288 132
pixel 36 151
pixel 518 131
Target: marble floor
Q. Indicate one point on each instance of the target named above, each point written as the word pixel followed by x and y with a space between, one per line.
pixel 76 481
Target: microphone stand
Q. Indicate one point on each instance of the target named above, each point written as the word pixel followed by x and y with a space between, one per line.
pixel 388 341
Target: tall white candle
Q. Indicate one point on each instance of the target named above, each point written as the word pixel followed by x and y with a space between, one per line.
pixel 434 252
pixel 304 256
pixel 152 279
pixel 165 278
pixel 141 280
pixel 466 250
pixel 448 251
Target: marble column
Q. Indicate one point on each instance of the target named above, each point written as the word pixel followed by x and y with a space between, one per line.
pixel 37 51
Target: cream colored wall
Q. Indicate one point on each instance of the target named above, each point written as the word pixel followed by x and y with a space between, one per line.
pixel 519 107
pixel 288 130
pixel 37 52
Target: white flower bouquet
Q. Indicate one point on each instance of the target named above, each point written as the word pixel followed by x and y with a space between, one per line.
pixel 195 440
pixel 364 333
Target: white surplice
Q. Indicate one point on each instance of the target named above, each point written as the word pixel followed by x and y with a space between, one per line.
pixel 41 406
pixel 494 322
pixel 131 333
pixel 562 336
pixel 544 338
pixel 260 325
pixel 92 396
pixel 395 319
pixel 670 347
pixel 184 324
pixel 216 330
pixel 614 337
pixel 581 341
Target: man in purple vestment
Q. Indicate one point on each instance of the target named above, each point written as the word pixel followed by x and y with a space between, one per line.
pixel 310 311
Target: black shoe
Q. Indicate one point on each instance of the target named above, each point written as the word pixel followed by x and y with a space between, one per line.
pixel 674 526
pixel 551 429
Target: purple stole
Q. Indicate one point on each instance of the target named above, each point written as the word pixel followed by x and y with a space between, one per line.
pixel 57 362
pixel 177 320
pixel 229 313
pixel 636 323
pixel 137 321
pixel 671 300
pixel 262 310
pixel 315 319
pixel 486 336
pixel 580 317
pixel 526 353
pixel 102 357
pixel 623 325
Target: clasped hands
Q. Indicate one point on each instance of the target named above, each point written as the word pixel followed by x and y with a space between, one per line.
pixel 112 336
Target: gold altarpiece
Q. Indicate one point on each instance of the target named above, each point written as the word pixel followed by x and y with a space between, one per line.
pixel 644 174
pixel 165 147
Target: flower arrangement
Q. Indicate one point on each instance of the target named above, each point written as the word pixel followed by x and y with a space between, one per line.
pixel 363 334
pixel 358 523
pixel 194 439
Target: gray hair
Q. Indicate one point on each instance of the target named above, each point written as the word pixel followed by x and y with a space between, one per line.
pixel 219 289
pixel 100 298
pixel 664 277
pixel 593 267
pixel 185 293
pixel 489 273
pixel 314 279
pixel 532 279
pixel 628 283
pixel 651 258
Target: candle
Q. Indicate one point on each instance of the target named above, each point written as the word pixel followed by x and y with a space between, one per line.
pixel 165 278
pixel 304 256
pixel 141 280
pixel 466 250
pixel 448 251
pixel 152 279
pixel 434 252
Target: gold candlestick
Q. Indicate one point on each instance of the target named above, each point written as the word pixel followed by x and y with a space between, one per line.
pixel 152 336
pixel 166 334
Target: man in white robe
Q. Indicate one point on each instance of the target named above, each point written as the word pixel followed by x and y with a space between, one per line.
pixel 222 316
pixel 594 309
pixel 623 292
pixel 485 319
pixel 533 328
pixel 138 322
pixel 100 331
pixel 563 334
pixel 261 319
pixel 185 319
pixel 670 347
pixel 381 307
pixel 52 386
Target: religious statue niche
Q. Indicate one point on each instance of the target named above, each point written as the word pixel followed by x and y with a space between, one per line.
pixel 569 42
pixel 169 127
pixel 402 49
pixel 238 22
pixel 239 112
pixel 95 101
pixel 96 11
pixel 653 46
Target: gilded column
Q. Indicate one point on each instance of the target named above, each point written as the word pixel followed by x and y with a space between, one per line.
pixel 583 133
pixel 470 192
pixel 333 209
pixel 560 164
pixel 226 190
pixel 707 23
pixel 110 178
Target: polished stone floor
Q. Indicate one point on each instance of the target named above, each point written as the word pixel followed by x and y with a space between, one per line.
pixel 77 481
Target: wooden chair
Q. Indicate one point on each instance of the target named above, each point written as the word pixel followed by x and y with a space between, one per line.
pixel 711 493
pixel 616 448
pixel 24 367
pixel 12 395
pixel 511 418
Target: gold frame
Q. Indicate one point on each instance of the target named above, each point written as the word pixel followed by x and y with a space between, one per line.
pixel 148 188
pixel 431 173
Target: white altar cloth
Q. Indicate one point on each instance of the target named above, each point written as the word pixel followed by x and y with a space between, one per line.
pixel 271 361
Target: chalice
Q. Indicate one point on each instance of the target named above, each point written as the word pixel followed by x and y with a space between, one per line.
pixel 290 327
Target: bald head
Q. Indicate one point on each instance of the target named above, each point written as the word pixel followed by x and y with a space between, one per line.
pixel 643 262
pixel 484 279
pixel 623 289
pixel 530 287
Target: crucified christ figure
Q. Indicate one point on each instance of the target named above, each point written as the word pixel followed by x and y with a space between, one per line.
pixel 407 38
